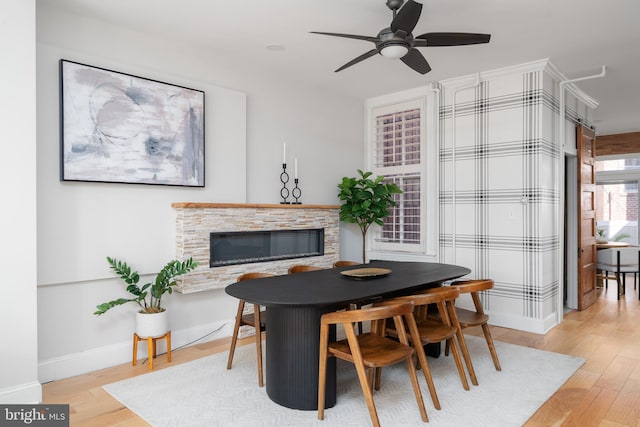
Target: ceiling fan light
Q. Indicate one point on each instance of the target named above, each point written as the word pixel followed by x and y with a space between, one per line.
pixel 394 51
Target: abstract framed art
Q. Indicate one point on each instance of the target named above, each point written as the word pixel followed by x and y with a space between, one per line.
pixel 117 127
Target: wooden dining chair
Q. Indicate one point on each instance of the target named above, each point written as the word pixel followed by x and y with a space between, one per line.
pixel 455 322
pixel 368 351
pixel 257 320
pixel 353 305
pixel 301 268
pixel 342 263
pixel 433 330
pixel 477 317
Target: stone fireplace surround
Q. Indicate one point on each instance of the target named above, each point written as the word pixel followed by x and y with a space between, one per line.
pixel 195 222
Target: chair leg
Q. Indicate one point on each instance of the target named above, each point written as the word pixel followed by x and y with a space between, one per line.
pixel 427 375
pixel 322 369
pixel 467 357
pixel 362 376
pixel 416 389
pixel 456 358
pixel 461 341
pixel 258 328
pixel 377 375
pixel 368 394
pixel 373 378
pixel 492 347
pixel 234 337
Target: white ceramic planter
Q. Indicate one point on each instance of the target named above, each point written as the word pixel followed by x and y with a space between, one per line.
pixel 152 324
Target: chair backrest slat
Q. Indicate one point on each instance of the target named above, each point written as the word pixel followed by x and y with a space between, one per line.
pixel 345 263
pixel 466 286
pixel 299 268
pixel 253 275
pixel 365 314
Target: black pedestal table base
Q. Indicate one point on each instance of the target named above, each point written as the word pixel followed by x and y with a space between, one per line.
pixel 293 340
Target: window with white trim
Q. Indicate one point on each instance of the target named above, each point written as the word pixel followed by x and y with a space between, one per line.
pixel 397 152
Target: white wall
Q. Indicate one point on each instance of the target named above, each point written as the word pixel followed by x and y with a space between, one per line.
pixel 80 223
pixel 87 221
pixel 18 334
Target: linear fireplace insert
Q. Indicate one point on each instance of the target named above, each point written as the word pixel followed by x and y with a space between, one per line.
pixel 245 247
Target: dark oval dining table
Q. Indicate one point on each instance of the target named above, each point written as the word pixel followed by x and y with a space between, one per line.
pixel 295 303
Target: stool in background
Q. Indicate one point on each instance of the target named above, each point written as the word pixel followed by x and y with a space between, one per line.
pixel 151 346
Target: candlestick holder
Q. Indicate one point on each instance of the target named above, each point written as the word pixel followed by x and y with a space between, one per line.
pixel 284 191
pixel 296 193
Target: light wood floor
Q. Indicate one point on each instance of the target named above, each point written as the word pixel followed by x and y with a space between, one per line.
pixel 605 391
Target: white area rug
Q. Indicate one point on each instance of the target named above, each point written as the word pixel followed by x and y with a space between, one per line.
pixel 204 393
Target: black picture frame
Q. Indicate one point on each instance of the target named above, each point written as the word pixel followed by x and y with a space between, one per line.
pixel 121 128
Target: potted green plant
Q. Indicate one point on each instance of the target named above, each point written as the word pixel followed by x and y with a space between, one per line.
pixel 366 202
pixel 152 317
pixel 620 237
pixel 601 238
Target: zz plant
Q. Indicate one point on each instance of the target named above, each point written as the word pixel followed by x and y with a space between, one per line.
pixel 366 202
pixel 149 295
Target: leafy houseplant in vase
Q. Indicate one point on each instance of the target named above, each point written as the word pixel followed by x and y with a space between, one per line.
pixel 366 202
pixel 601 238
pixel 151 319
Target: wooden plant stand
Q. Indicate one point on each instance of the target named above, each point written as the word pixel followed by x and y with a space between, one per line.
pixel 151 345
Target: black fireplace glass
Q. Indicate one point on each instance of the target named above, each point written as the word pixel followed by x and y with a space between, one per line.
pixel 244 247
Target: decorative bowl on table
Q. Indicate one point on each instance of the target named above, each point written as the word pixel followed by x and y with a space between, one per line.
pixel 365 273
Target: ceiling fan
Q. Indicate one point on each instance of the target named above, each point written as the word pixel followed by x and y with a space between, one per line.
pixel 397 42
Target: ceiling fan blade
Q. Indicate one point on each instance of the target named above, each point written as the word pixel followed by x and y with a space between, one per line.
pixel 416 61
pixel 358 59
pixel 407 17
pixel 348 36
pixel 451 39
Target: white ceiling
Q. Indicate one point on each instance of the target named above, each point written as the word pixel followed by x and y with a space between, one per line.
pixel 578 36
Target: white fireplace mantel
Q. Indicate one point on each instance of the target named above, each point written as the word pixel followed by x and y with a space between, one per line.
pixel 195 222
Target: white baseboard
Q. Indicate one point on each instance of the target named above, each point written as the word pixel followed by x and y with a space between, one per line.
pixel 28 393
pixel 550 322
pixel 115 354
pixel 527 324
pixel 512 321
